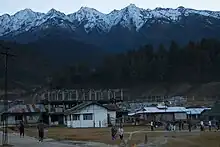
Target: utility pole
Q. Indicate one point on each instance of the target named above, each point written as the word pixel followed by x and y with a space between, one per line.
pixel 6 54
pixel 49 80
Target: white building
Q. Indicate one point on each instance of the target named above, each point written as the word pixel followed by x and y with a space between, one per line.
pixel 90 114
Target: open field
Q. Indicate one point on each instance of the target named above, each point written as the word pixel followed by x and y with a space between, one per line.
pixel 158 138
pixel 92 134
pixel 136 134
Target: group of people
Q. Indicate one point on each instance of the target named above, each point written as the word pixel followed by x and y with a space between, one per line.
pixel 171 126
pixel 40 128
pixel 210 125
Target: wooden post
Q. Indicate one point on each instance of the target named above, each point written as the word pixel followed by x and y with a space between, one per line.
pixel 145 139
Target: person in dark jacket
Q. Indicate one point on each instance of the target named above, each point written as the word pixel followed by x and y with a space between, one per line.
pixel 113 132
pixel 218 125
pixel 40 128
pixel 180 125
pixel 21 128
pixel 189 126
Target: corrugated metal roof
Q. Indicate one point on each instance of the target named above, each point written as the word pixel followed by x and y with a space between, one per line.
pixel 192 111
pixel 167 109
pixel 29 108
pixel 195 111
pixel 160 110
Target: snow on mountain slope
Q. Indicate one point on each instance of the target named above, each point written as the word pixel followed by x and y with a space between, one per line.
pixel 129 17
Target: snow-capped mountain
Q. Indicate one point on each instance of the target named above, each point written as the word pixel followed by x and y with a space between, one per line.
pixel 129 17
pixel 123 29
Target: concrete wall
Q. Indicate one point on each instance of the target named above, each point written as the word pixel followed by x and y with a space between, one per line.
pixel 180 116
pixel 11 120
pixel 99 118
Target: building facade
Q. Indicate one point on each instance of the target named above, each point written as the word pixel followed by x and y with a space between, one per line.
pixel 29 114
pixel 161 113
pixel 89 114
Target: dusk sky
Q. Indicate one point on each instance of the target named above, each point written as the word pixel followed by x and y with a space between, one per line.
pixel 105 6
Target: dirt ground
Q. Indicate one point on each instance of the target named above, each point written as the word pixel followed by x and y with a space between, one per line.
pixel 204 139
pixel 92 134
pixel 136 134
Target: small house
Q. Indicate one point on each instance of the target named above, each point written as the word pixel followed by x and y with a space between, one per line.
pixel 29 114
pixel 90 114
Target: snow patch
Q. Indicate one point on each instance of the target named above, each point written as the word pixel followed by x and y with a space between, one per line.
pixel 128 17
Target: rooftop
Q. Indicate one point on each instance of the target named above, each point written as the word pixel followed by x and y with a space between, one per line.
pixel 29 108
pixel 110 107
pixel 164 109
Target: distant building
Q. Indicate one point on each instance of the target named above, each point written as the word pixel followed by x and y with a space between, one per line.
pixel 91 114
pixel 213 114
pixel 30 114
pixel 161 113
pixel 196 113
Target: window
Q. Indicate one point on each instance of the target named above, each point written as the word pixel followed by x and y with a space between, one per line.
pixel 76 117
pixel 87 116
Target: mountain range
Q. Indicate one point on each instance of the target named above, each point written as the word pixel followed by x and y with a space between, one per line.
pixel 118 31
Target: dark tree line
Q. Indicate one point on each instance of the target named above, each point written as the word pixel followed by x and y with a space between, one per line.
pixel 196 62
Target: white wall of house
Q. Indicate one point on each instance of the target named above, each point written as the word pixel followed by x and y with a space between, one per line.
pixel 112 115
pixel 83 118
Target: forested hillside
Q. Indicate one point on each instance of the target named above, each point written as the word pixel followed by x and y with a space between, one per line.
pixel 197 62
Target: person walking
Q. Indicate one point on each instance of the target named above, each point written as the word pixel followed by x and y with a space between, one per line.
pixel 121 132
pixel 113 132
pixel 40 128
pixel 21 129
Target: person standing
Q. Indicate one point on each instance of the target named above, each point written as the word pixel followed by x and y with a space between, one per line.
pixel 174 126
pixel 180 125
pixel 183 125
pixel 152 125
pixel 202 126
pixel 190 126
pixel 40 128
pixel 21 129
pixel 218 125
pixel 210 126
